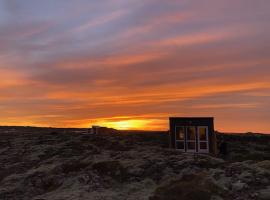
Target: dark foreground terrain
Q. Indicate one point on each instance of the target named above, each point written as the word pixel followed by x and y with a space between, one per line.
pixel 65 164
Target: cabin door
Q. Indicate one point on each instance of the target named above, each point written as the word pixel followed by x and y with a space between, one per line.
pixel 191 138
pixel 203 141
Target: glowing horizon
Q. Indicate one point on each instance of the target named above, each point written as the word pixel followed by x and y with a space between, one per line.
pixel 131 64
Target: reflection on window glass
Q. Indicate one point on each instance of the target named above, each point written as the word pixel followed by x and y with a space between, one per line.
pixel 191 133
pixel 202 133
pixel 180 133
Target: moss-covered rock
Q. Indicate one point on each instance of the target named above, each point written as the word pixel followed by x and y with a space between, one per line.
pixel 73 166
pixel 189 187
pixel 112 169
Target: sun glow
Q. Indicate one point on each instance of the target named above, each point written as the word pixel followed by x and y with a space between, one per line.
pixel 126 124
pixel 134 122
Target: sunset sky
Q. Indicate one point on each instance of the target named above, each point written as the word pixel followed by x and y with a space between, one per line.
pixel 130 64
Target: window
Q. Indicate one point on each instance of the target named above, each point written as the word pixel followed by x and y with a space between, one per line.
pixel 191 133
pixel 180 133
pixel 203 145
pixel 191 145
pixel 202 133
pixel 203 139
pixel 191 139
pixel 180 138
pixel 180 145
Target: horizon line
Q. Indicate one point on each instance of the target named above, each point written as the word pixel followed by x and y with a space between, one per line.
pixel 51 127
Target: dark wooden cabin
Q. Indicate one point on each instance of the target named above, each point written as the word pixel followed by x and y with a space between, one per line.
pixel 193 134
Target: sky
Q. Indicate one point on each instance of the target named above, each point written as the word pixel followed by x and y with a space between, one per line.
pixel 131 64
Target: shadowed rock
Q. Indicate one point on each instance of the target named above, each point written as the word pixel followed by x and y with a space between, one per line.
pixel 112 169
pixel 189 187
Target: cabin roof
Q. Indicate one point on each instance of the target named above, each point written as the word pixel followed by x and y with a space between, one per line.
pixel 190 118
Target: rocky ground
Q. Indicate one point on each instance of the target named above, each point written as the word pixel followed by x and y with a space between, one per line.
pixel 67 164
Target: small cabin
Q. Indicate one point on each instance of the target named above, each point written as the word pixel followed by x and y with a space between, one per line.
pixel 94 129
pixel 193 134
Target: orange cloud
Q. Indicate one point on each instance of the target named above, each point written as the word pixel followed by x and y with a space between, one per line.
pixel 111 61
pixel 226 105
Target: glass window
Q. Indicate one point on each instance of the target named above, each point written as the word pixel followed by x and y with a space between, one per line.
pixel 191 133
pixel 191 145
pixel 202 133
pixel 180 133
pixel 203 145
pixel 180 145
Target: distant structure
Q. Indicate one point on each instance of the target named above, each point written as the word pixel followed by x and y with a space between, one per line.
pixel 193 134
pixel 94 129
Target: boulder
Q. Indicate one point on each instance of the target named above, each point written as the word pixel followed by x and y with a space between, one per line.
pixel 238 186
pixel 264 164
pixel 189 187
pixel 113 169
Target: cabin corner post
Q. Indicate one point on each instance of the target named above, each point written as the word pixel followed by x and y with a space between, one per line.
pixel 171 134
